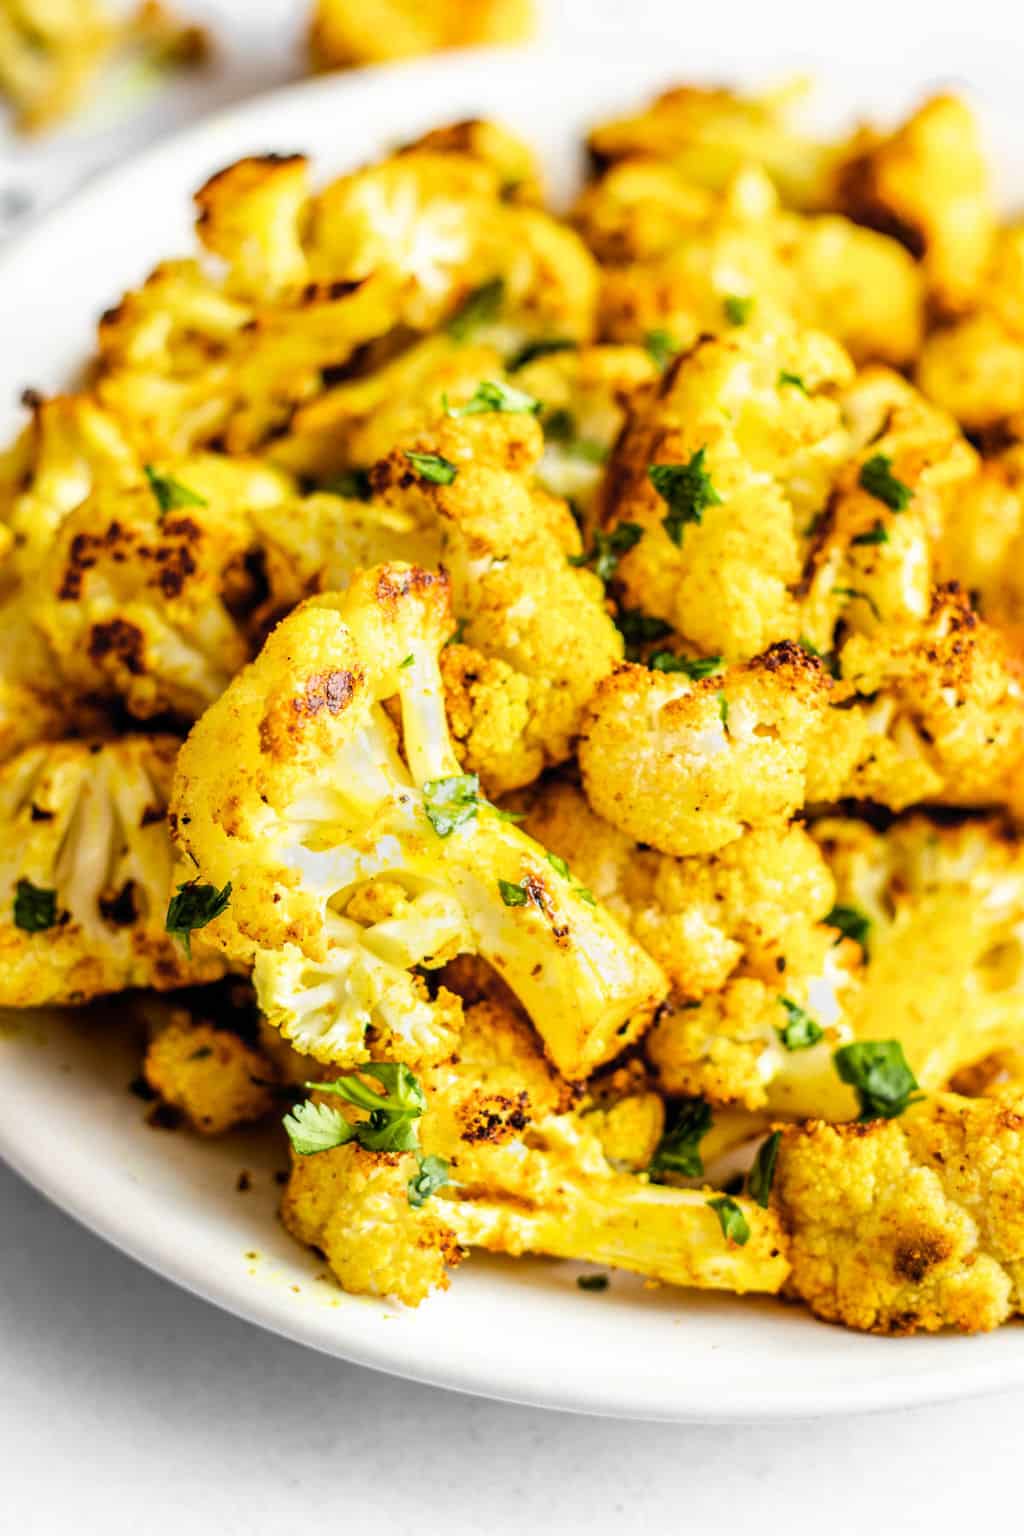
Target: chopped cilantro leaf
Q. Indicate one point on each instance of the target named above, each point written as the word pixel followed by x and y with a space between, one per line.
pixel 737 308
pixel 315 1128
pixel 512 895
pixel 877 478
pixel 193 907
pixel 878 534
pixel 687 489
pixel 794 379
pixel 723 708
pixel 734 1225
pixel 560 426
pixel 878 1073
pixel 393 1110
pixel 800 1031
pixel 478 308
pixel 637 628
pixel 432 467
pixel 450 803
pixel 170 494
pixel 693 666
pixel 678 1151
pixel 662 347
pixel 504 815
pixel 762 1170
pixel 35 907
pixel 407 662
pixel 432 1173
pixel 558 864
pixel 852 924
pixel 608 547
pixel 585 895
pixel 492 395
pixel 865 597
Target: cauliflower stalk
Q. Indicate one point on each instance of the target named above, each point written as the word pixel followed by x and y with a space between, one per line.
pixel 354 857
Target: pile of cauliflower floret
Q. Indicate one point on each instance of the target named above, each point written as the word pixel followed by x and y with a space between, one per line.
pixel 542 701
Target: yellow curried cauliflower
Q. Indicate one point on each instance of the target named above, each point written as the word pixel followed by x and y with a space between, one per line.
pixel 944 909
pixel 519 591
pixel 292 787
pixel 344 35
pixel 927 183
pixel 913 1224
pixel 709 133
pixel 525 1173
pixel 687 766
pixel 682 261
pixel 215 1079
pixel 86 873
pixel 749 458
pixel 983 538
pixel 874 561
pixel 155 595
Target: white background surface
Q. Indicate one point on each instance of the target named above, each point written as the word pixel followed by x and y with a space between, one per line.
pixel 128 1406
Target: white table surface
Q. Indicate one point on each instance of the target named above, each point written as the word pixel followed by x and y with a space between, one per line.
pixel 129 1406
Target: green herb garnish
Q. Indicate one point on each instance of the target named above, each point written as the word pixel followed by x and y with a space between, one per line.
pixel 723 708
pixel 450 803
pixel 687 489
pixel 865 597
pixel 692 666
pixel 608 548
pixel 35 907
pixel 762 1170
pixel 543 348
pixel 558 864
pixel 800 1031
pixel 737 308
pixel 734 1225
pixel 480 307
pixel 852 924
pixel 392 1111
pixel 662 347
pixel 878 534
pixel 878 1073
pixel 513 895
pixel 638 628
pixel 794 379
pixel 432 1173
pixel 492 395
pixel 678 1151
pixel 432 467
pixel 170 494
pixel 877 478
pixel 353 484
pixel 193 907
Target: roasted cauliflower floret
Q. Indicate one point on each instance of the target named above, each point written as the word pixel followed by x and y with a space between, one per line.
pixel 33 706
pixel 86 873
pixel 342 36
pixel 522 1173
pixel 292 787
pixel 688 264
pixel 941 912
pixel 520 175
pixel 687 765
pixel 156 595
pixel 927 183
pixel 983 538
pixel 211 1075
pixel 719 473
pixel 251 216
pixel 910 1224
pixel 519 589
pixel 709 133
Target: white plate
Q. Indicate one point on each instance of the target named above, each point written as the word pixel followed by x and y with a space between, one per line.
pixel 519 1331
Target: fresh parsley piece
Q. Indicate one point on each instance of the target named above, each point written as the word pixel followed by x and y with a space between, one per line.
pixel 852 924
pixel 480 307
pixel 353 484
pixel 723 708
pixel 543 348
pixel 678 1151
pixel 608 549
pixel 878 1073
pixel 558 864
pixel 865 597
pixel 737 308
pixel 762 1170
pixel 170 494
pixel 693 666
pixel 392 1113
pixel 637 628
pixel 592 1282
pixel 800 1031
pixel 687 489
pixel 432 1173
pixel 35 907
pixel 492 395
pixel 785 377
pixel 406 662
pixel 315 1128
pixel 734 1225
pixel 503 815
pixel 877 478
pixel 512 894
pixel 662 347
pixel 878 534
pixel 432 467
pixel 450 803
pixel 585 894
pixel 193 907
pixel 455 638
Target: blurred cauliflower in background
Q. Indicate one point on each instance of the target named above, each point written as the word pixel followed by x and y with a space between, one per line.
pixel 343 35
